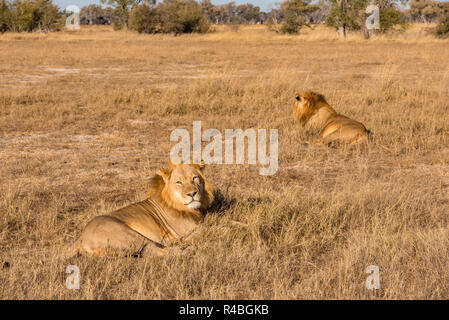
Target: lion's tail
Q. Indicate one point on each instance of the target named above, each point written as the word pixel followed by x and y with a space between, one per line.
pixel 370 135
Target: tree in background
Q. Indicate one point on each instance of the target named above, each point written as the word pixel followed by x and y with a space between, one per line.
pixel 182 16
pixel 28 16
pixel 209 11
pixel 145 19
pixel 122 9
pixel 323 10
pixel 347 15
pixel 248 13
pixel 427 11
pixel 227 12
pixel 442 29
pixel 350 15
pixel 95 14
pixel 444 9
pixel 274 17
pixel 219 14
pixel 169 16
pixel 293 14
pixel 424 11
pixel 185 16
pixel 4 13
pixel 230 13
pixel 391 15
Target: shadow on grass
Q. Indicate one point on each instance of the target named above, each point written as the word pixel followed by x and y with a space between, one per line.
pixel 220 203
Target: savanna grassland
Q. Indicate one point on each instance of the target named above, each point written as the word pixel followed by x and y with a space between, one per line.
pixel 86 117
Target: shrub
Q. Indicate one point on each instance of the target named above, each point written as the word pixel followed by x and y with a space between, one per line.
pixel 4 14
pixel 442 29
pixel 190 18
pixel 117 24
pixel 293 24
pixel 21 16
pixel 182 16
pixel 27 16
pixel 295 13
pixel 169 16
pixel 47 17
pixel 144 19
pixel 120 18
pixel 390 18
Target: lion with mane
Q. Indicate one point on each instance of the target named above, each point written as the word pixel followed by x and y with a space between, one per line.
pixel 313 112
pixel 176 202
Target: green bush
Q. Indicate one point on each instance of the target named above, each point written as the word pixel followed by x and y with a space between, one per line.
pixel 293 24
pixel 4 14
pixel 442 29
pixel 190 18
pixel 144 19
pixel 47 17
pixel 392 19
pixel 21 16
pixel 169 16
pixel 295 14
pixel 27 16
pixel 120 18
pixel 117 24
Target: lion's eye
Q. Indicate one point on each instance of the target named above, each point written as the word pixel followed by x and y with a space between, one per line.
pixel 196 179
pixel 179 183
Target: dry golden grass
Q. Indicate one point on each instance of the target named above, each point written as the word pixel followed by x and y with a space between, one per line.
pixel 85 119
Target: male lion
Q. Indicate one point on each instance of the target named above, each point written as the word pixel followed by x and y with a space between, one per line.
pixel 313 112
pixel 175 204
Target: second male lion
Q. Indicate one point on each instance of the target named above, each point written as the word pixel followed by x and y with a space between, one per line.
pixel 313 112
pixel 178 197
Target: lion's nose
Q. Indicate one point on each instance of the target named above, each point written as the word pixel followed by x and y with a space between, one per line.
pixel 192 194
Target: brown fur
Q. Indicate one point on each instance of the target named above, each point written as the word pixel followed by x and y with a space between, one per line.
pixel 313 112
pixel 150 225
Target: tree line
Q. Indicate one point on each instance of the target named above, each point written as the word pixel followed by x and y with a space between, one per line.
pixel 187 16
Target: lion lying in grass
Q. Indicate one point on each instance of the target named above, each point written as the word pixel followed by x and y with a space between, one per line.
pixel 177 200
pixel 313 112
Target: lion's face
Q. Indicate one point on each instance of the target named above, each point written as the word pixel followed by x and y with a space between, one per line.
pixel 185 186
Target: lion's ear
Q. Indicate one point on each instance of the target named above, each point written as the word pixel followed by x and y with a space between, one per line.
pixel 164 173
pixel 298 96
pixel 199 166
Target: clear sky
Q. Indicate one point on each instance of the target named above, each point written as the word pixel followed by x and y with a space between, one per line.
pixel 265 5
